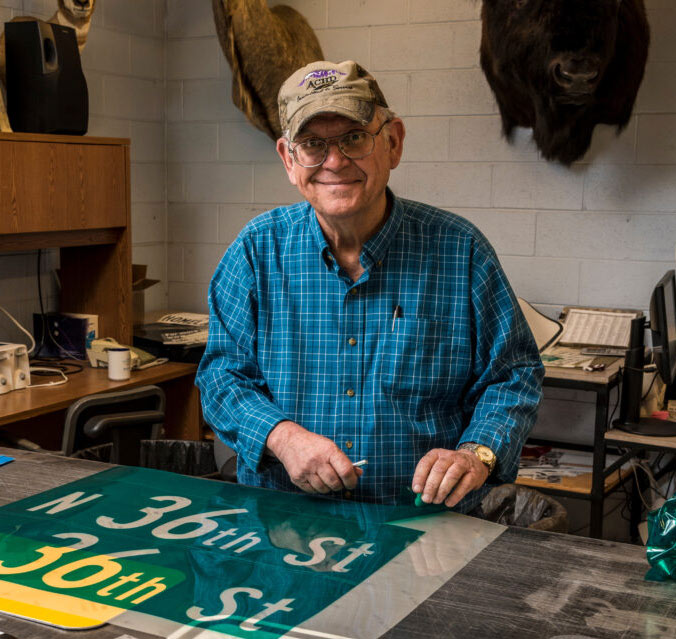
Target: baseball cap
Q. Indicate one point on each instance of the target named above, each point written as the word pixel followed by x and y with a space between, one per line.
pixel 344 88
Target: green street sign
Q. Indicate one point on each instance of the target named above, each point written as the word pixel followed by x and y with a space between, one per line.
pixel 240 561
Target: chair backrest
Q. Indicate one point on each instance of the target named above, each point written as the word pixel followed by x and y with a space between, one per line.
pixel 226 459
pixel 122 418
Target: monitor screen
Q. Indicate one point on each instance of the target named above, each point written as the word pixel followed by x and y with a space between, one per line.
pixel 663 326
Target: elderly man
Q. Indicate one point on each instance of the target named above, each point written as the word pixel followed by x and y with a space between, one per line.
pixel 356 325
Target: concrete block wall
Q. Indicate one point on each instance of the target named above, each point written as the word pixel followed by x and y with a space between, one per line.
pixel 599 233
pixel 124 66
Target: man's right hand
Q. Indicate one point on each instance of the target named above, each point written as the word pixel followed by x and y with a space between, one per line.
pixel 314 463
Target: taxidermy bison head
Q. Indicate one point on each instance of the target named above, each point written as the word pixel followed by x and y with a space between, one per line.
pixel 564 66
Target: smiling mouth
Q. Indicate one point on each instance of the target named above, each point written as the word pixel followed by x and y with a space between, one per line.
pixel 341 183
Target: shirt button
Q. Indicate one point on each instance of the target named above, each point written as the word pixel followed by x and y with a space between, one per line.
pixel 352 341
pixel 347 494
pixel 353 291
pixel 350 392
pixel 379 263
pixel 348 444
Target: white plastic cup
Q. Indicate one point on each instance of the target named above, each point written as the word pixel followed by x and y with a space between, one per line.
pixel 119 364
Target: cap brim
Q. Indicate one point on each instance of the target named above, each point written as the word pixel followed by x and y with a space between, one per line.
pixel 351 108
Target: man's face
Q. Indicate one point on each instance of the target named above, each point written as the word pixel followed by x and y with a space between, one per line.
pixel 341 187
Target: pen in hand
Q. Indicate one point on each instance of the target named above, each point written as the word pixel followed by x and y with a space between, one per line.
pixel 360 463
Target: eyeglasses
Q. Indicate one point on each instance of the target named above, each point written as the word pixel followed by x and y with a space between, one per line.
pixel 355 145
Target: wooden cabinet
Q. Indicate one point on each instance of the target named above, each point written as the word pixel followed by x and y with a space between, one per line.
pixel 73 192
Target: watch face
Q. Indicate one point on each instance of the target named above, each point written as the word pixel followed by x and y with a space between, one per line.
pixel 486 454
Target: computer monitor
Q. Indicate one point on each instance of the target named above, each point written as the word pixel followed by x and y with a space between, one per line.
pixel 663 328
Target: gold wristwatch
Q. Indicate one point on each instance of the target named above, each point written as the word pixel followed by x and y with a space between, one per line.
pixel 486 455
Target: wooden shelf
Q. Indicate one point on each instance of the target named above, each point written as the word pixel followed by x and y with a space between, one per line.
pixel 73 192
pixel 582 484
pixel 621 437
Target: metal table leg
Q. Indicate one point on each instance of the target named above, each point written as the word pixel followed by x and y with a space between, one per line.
pixel 598 464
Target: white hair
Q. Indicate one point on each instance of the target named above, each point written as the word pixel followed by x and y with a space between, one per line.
pixel 385 114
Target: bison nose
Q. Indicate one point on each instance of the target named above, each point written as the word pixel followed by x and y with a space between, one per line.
pixel 575 75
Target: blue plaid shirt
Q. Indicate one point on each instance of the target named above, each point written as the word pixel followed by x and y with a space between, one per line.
pixel 291 336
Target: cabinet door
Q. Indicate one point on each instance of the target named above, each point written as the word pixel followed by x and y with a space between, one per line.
pixel 51 186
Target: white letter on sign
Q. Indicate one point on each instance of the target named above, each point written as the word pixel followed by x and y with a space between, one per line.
pixel 64 503
pixel 281 606
pixel 152 514
pixel 318 553
pixel 203 521
pixel 229 604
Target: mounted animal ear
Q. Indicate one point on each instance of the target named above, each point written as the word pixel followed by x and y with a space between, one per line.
pixel 264 46
pixel 520 4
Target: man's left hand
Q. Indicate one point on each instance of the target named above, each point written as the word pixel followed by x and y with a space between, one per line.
pixel 448 475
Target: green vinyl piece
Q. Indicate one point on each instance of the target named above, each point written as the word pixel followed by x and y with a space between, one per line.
pixel 661 546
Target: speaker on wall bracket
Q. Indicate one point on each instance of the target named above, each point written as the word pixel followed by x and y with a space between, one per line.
pixel 46 88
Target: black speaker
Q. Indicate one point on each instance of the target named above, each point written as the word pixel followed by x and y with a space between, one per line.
pixel 46 89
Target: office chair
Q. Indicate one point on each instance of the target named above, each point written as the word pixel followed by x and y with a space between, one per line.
pixel 121 418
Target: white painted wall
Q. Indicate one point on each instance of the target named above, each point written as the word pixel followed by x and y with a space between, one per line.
pixel 125 71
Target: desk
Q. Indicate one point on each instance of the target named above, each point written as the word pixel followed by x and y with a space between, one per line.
pixel 39 412
pixel 525 584
pixel 636 444
pixel 597 484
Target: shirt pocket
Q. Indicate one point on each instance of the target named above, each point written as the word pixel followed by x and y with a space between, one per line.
pixel 425 358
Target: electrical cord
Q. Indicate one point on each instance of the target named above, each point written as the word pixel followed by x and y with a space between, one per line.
pixel 52 370
pixel 617 402
pixel 57 365
pixel 21 328
pixel 46 330
pixel 608 513
pixel 650 387
pixel 651 481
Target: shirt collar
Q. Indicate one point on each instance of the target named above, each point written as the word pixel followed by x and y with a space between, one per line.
pixel 375 247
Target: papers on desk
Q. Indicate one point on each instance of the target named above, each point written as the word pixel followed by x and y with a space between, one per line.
pixel 185 338
pixel 185 319
pixel 555 464
pixel 183 329
pixel 565 357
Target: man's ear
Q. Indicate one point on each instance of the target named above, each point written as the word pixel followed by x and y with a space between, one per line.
pixel 287 160
pixel 397 133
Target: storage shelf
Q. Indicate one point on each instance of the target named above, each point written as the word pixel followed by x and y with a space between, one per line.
pixel 581 485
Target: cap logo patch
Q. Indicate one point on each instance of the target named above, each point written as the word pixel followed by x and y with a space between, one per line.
pixel 321 78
